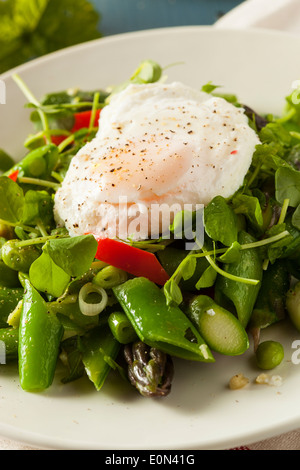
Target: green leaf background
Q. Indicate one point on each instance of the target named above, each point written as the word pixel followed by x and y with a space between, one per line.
pixel 32 28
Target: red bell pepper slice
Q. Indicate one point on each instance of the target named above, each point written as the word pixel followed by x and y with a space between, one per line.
pixel 81 120
pixel 134 261
pixel 14 176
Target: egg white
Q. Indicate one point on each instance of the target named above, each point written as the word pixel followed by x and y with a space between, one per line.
pixel 157 144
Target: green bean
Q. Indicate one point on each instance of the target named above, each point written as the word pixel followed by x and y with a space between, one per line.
pixel 269 354
pixel 121 328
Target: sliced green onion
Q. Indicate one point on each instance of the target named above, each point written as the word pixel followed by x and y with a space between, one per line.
pixel 92 309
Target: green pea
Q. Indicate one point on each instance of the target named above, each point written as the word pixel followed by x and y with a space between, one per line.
pixel 269 354
pixel 19 258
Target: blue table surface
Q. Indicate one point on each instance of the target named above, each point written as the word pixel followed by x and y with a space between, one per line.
pixel 121 16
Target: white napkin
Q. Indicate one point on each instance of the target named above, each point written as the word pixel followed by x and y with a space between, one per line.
pixel 283 15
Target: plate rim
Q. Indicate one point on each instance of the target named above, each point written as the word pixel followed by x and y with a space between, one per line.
pixel 211 29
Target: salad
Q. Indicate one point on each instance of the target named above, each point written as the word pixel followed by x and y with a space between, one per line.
pixel 96 304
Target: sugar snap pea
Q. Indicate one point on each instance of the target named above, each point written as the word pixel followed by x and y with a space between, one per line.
pixel 98 348
pixel 158 325
pixel 221 329
pixel 40 334
pixel 235 296
pixel 38 163
pixel 121 328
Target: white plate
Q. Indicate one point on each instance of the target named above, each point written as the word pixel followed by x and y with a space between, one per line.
pixel 201 412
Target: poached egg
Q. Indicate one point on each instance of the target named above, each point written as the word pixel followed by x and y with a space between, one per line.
pixel 165 145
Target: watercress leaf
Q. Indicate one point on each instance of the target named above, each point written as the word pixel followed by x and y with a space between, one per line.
pixel 172 292
pixel 207 279
pixel 232 255
pixel 287 186
pixel 188 268
pixel 47 277
pixel 220 221
pixel 38 206
pixel 269 155
pixel 209 87
pixel 275 132
pixel 250 207
pixel 74 255
pixel 296 218
pixel 12 201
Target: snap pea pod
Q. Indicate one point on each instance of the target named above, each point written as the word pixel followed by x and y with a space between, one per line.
pixel 235 296
pixel 40 334
pixel 170 258
pixel 221 329
pixel 9 299
pixel 39 163
pixel 270 305
pixel 121 328
pixel 10 338
pixel 98 348
pixel 158 325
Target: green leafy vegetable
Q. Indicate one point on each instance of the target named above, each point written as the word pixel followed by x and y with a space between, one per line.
pixel 12 201
pixel 287 181
pixel 32 28
pixel 220 222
